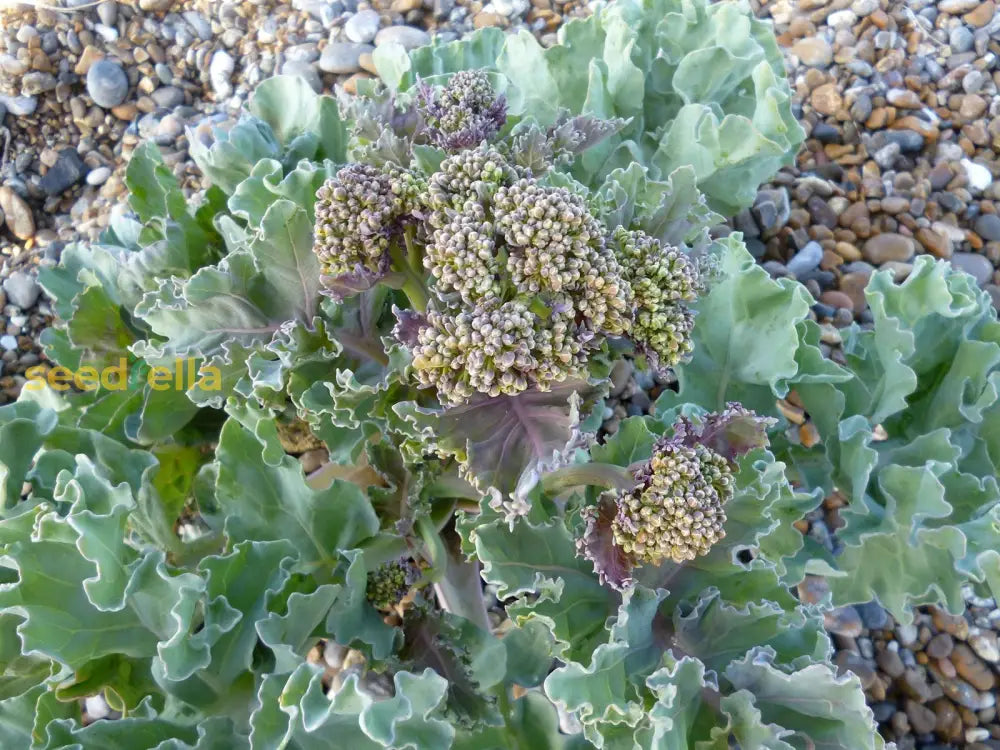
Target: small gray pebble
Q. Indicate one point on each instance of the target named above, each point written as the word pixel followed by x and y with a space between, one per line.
pixel 107 83
pixel 806 259
pixel 362 26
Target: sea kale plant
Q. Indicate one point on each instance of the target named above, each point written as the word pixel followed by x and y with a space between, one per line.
pixel 330 472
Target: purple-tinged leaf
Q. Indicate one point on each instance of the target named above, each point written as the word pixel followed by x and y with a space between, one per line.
pixel 611 563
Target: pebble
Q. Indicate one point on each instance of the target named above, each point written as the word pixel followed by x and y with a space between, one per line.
pixel 220 69
pixel 362 26
pixel 888 247
pixel 976 265
pixel 987 226
pixel 971 668
pixel 17 215
pixel 935 243
pixel 813 51
pixel 19 106
pixel 22 289
pixel 806 259
pixel 343 57
pixel 107 83
pixel 407 36
pixel 98 176
pixel 826 99
pixel 940 646
pixel 68 170
pixel 168 97
pixel 843 621
pixel 979 176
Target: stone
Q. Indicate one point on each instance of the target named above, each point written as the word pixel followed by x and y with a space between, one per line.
pixel 888 247
pixel 940 646
pixel 886 156
pixel 107 84
pixel 771 208
pixel 90 55
pixel 17 215
pixel 837 299
pixel 971 668
pixel 98 176
pixel 988 227
pixel 890 663
pixel 922 719
pixel 343 57
pixel 981 15
pixel 895 204
pixel 168 97
pixel 806 259
pixel 972 106
pixel 8 343
pixel 220 69
pixel 914 684
pixel 22 289
pixel 979 176
pixel 157 6
pixel 826 99
pixel 973 82
pixel 976 265
pixel 483 20
pixel 956 7
pixel 37 82
pixel 910 140
pixel 936 244
pixel 362 26
pixel 407 36
pixel 843 621
pixel 19 106
pixel 821 212
pixel 904 98
pixel 68 170
pixel 960 39
pixel 984 643
pixel 940 176
pixel 813 52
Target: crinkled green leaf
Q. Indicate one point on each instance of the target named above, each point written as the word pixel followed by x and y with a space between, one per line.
pixel 295 712
pixel 282 506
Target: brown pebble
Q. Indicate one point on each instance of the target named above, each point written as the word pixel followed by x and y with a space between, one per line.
pixel 981 15
pixel 826 99
pixel 935 243
pixel 484 20
pixel 88 57
pixel 888 247
pixel 972 107
pixel 904 98
pixel 836 298
pixel 972 668
pixel 853 285
pixel 809 435
pixel 847 251
pixel 946 622
pixel 895 204
pixel 946 719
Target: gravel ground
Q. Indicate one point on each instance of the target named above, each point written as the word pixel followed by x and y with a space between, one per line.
pixel 899 100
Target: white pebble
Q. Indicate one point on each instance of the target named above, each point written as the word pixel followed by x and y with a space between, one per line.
pixel 979 176
pixel 8 342
pixel 219 72
pixel 98 176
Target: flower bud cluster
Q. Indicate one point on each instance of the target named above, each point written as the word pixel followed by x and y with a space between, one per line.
pixel 357 212
pixel 676 510
pixel 664 281
pixel 524 281
pixel 391 582
pixel 463 113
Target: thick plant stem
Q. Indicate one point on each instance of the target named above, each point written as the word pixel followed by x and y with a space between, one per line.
pixel 413 281
pixel 608 476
